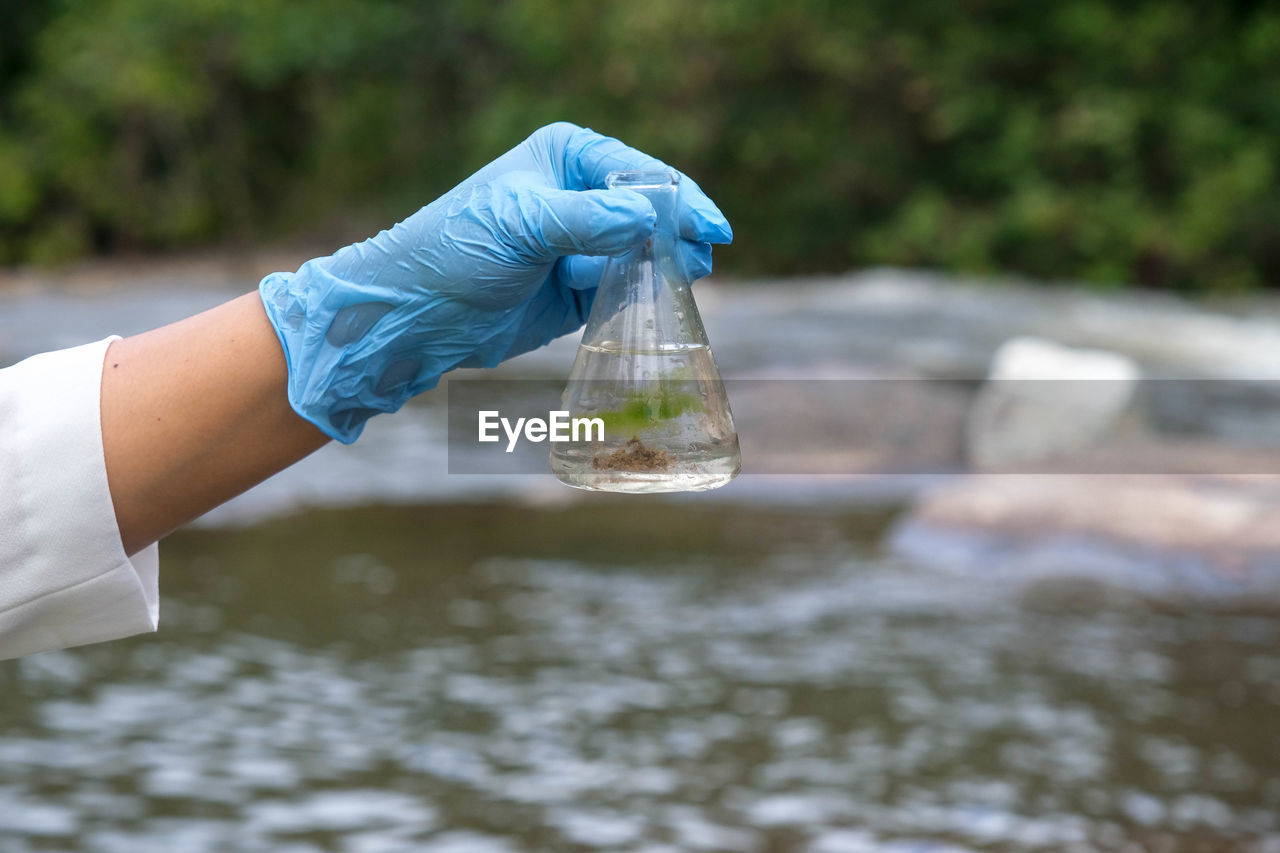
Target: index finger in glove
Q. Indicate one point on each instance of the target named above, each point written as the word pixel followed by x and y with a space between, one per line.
pixel 589 157
pixel 549 223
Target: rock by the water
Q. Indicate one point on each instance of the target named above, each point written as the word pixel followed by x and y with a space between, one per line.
pixel 1043 400
pixel 1167 536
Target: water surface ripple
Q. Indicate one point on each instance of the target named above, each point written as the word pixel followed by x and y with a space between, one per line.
pixel 635 676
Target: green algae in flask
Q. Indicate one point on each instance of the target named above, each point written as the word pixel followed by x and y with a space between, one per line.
pixel 645 371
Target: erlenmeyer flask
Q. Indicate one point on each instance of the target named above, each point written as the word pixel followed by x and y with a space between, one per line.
pixel 645 370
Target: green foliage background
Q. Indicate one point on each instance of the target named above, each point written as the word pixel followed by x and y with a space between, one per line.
pixel 1135 142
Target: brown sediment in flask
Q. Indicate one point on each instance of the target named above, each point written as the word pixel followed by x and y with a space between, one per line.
pixel 635 455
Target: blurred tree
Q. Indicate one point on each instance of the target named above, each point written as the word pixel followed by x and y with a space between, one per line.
pixel 1132 142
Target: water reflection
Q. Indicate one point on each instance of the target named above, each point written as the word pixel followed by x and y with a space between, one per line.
pixel 638 675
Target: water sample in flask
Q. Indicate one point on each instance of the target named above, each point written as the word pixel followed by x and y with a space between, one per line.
pixel 645 369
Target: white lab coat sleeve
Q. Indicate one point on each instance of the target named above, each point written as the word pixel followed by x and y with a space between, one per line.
pixel 65 579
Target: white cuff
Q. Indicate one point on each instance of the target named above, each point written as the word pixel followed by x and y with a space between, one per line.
pixel 64 577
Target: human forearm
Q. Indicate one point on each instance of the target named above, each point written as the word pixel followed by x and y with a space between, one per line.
pixel 193 414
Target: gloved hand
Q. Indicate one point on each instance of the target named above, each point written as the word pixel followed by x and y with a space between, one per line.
pixel 501 264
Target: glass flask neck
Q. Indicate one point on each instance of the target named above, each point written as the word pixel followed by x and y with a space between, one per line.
pixel 643 302
pixel 660 186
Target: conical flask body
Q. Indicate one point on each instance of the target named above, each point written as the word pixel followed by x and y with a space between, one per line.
pixel 645 384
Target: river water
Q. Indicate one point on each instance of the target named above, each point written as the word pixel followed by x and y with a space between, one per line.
pixel 406 666
pixel 635 674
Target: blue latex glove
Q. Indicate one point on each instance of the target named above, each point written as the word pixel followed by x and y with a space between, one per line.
pixel 503 263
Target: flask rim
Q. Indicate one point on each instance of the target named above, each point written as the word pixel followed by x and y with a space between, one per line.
pixel 634 179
